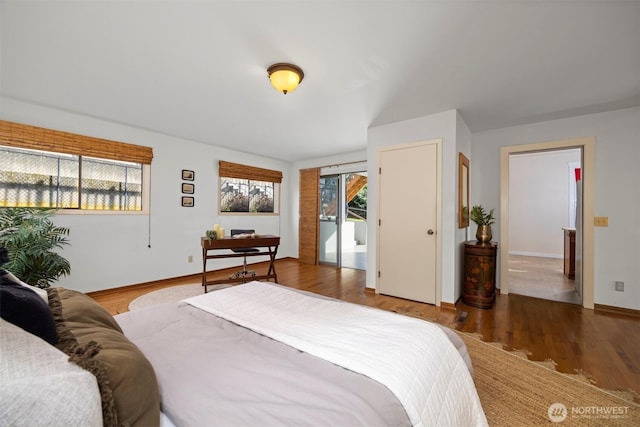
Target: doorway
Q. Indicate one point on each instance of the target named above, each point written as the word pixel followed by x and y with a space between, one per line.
pixel 544 201
pixel 585 254
pixel 343 220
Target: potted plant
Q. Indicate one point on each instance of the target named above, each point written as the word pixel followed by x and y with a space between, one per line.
pixel 31 238
pixel 483 220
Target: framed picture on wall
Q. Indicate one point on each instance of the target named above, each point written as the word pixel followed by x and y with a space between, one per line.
pixel 188 188
pixel 188 175
pixel 187 202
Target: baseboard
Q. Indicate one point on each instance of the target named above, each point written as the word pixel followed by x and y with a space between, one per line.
pixel 537 254
pixel 155 283
pixel 616 310
pixel 447 306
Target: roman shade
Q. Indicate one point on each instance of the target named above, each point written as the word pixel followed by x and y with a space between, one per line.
pixel 37 138
pixel 309 223
pixel 235 170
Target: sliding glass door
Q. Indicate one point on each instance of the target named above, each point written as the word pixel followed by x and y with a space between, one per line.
pixel 343 220
pixel 330 219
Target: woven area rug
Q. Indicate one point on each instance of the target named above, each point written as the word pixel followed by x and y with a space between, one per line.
pixel 517 392
pixel 171 294
pixel 513 390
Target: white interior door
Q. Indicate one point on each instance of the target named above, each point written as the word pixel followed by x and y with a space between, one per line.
pixel 407 209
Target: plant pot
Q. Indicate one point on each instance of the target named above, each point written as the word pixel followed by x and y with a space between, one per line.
pixel 484 233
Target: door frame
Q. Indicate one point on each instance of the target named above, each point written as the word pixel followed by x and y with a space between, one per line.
pixel 438 260
pixel 587 144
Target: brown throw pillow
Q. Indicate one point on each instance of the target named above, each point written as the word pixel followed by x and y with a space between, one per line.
pixel 123 371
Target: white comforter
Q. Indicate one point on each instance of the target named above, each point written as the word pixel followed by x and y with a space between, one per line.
pixel 413 358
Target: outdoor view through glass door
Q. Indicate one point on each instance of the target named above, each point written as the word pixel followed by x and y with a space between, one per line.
pixel 329 219
pixel 343 220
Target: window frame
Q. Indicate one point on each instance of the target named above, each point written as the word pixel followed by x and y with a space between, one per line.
pixel 248 174
pixel 146 200
pixel 21 136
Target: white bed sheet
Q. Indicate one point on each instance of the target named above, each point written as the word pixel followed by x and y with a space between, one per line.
pixel 212 372
pixel 165 421
pixel 413 358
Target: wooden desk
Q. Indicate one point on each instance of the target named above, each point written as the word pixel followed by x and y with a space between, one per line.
pixel 269 242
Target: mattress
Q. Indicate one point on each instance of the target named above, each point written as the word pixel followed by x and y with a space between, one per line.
pixel 213 371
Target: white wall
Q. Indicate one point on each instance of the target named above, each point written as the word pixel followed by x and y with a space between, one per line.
pixel 437 126
pixel 539 199
pixel 463 144
pixel 617 190
pixel 109 251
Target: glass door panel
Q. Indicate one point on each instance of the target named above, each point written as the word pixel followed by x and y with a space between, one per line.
pixel 353 230
pixel 330 195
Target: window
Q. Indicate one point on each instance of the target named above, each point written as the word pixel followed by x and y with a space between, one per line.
pixel 73 178
pixel 246 189
pixel 31 178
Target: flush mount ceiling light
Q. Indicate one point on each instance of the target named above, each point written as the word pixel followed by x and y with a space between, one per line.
pixel 285 77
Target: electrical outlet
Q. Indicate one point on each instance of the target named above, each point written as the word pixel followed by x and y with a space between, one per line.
pixel 601 221
pixel 619 286
pixel 190 258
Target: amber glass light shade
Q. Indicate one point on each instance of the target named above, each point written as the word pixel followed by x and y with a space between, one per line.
pixel 285 78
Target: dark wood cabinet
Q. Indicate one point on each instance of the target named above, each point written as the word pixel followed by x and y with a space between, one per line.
pixel 479 274
pixel 570 253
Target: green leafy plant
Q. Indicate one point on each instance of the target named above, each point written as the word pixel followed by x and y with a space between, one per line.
pixel 358 205
pixel 31 238
pixel 480 216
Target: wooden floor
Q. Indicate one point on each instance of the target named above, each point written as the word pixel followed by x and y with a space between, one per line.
pixel 604 346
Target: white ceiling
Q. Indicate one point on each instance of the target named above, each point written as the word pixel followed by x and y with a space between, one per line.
pixel 197 69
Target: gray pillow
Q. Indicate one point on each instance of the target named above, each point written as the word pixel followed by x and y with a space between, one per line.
pixel 38 386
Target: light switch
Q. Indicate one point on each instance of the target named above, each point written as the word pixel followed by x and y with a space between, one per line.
pixel 601 221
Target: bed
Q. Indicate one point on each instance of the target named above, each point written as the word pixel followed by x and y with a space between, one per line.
pixel 264 354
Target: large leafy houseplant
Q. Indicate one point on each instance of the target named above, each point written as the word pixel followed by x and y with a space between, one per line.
pixel 31 238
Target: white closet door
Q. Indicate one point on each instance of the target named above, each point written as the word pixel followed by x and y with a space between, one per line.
pixel 407 209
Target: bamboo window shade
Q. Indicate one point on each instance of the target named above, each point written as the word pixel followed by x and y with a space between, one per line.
pixel 235 170
pixel 309 223
pixel 37 138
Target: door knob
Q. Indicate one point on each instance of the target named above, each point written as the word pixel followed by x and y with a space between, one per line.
pixel 430 232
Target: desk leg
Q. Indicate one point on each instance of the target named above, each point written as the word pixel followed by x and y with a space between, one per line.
pixel 204 269
pixel 272 267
